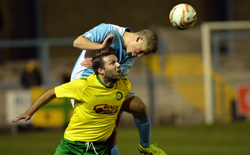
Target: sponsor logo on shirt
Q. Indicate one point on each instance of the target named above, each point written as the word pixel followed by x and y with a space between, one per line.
pixel 119 96
pixel 88 35
pixel 106 109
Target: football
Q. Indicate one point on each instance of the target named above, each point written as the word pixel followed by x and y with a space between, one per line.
pixel 182 16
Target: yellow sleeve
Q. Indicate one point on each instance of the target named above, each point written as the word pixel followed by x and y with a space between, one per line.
pixel 71 90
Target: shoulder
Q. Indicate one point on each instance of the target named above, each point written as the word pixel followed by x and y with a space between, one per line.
pixel 120 29
pixel 98 33
pixel 83 81
pixel 83 78
pixel 88 79
pixel 78 83
pixel 125 82
pixel 112 27
pixel 124 79
pixel 103 26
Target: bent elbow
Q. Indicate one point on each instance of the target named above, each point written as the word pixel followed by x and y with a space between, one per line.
pixel 75 43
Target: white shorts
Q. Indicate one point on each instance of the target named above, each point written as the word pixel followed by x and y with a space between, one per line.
pixel 130 94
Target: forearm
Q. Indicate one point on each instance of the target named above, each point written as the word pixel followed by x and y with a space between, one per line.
pixel 41 101
pixel 85 44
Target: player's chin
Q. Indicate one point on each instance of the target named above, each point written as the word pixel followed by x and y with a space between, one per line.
pixel 119 75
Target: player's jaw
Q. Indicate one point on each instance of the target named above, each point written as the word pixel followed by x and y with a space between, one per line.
pixel 136 51
pixel 117 73
pixel 114 75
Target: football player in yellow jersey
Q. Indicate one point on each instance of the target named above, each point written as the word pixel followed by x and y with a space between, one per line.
pixel 98 100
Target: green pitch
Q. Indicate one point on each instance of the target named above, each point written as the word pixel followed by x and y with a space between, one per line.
pixel 218 139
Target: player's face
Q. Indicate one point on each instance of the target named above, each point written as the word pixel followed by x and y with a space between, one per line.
pixel 136 50
pixel 112 69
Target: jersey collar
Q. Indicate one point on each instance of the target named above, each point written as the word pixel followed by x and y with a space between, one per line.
pixel 97 77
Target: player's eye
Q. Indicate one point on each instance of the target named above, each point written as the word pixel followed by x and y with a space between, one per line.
pixel 112 62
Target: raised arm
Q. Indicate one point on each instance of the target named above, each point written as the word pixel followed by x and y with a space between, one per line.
pixel 85 44
pixel 41 101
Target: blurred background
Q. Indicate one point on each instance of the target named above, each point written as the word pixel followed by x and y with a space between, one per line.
pixel 198 76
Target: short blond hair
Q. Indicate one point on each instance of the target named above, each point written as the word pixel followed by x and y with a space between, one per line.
pixel 150 40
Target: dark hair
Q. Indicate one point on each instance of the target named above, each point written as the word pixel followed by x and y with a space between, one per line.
pixel 97 61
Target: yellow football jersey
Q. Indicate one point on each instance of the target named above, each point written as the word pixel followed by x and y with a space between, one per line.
pixel 96 107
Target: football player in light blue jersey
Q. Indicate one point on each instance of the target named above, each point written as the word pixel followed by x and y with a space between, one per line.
pixel 127 46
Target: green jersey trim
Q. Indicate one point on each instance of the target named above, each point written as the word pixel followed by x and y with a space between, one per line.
pixel 102 83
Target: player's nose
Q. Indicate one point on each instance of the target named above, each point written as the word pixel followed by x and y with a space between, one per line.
pixel 118 64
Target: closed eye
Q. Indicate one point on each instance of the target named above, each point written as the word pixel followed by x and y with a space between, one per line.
pixel 141 53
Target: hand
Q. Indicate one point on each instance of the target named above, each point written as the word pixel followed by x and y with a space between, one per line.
pixel 108 40
pixel 22 116
pixel 87 62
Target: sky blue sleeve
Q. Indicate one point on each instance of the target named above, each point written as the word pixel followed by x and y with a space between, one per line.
pixel 98 33
pixel 126 66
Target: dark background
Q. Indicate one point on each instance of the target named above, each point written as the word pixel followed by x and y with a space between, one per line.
pixel 30 19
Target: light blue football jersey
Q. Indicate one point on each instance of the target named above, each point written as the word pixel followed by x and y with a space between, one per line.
pixel 98 34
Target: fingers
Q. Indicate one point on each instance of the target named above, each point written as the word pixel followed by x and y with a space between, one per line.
pixel 110 36
pixel 16 119
pixel 25 117
pixel 108 40
pixel 87 62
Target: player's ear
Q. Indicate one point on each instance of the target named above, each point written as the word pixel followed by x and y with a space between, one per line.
pixel 139 38
pixel 100 71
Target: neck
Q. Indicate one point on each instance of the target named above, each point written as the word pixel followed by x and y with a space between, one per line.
pixel 107 82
